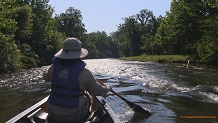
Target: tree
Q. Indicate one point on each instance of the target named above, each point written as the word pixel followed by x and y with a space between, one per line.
pixel 137 30
pixel 45 39
pixel 101 45
pixel 208 46
pixel 164 36
pixel 120 38
pixel 23 17
pixel 148 37
pixel 189 28
pixel 90 46
pixel 10 55
pixel 132 28
pixel 70 23
pixel 179 33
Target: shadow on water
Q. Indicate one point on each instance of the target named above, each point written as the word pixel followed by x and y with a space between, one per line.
pixel 21 90
pixel 13 102
pixel 191 110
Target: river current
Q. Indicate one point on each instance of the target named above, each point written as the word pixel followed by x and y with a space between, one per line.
pixel 174 94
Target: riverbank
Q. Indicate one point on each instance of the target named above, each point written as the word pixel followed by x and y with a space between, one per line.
pixel 170 59
pixel 159 58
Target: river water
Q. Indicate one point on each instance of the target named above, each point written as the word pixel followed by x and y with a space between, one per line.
pixel 173 93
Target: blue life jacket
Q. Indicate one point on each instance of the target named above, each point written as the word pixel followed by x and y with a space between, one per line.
pixel 65 83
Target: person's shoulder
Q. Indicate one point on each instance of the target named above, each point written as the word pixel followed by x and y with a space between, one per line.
pixel 85 75
pixel 85 72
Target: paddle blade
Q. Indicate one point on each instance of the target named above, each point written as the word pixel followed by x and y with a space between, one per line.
pixel 135 108
pixel 139 109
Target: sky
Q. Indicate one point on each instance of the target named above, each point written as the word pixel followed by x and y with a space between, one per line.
pixel 106 15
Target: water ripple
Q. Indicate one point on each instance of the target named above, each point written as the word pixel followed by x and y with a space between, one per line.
pixel 168 90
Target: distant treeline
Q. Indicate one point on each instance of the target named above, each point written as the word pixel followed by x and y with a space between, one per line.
pixel 30 35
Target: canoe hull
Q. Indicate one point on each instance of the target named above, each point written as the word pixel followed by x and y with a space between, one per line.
pixel 38 113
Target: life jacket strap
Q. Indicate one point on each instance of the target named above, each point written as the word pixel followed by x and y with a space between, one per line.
pixel 66 96
pixel 67 88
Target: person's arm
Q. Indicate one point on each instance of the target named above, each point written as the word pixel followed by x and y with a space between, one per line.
pixel 47 76
pixel 92 86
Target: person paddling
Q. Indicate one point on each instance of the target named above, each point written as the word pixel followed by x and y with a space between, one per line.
pixel 73 85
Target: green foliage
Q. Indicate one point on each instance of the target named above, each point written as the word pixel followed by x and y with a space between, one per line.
pixel 28 58
pixel 30 36
pixel 45 39
pixel 7 23
pixel 179 31
pixel 90 46
pixel 132 29
pixel 9 58
pixel 208 46
pixel 137 30
pixel 23 17
pixel 158 58
pixel 187 29
pixel 100 45
pixel 122 41
pixel 164 37
pixel 70 23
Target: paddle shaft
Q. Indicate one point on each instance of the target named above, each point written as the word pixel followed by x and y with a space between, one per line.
pixel 119 96
pixel 129 103
pixel 135 107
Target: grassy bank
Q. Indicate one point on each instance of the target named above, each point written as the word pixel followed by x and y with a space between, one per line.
pixel 159 58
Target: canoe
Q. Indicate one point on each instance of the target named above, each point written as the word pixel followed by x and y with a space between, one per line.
pixel 38 113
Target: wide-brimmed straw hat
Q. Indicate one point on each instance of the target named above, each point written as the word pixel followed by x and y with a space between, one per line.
pixel 71 50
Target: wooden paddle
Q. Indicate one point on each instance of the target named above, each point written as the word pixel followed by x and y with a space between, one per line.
pixel 134 106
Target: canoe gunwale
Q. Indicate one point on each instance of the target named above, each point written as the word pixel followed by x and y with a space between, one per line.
pixel 28 111
pixel 110 111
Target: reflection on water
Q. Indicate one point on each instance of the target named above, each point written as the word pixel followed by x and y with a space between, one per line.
pixel 168 90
